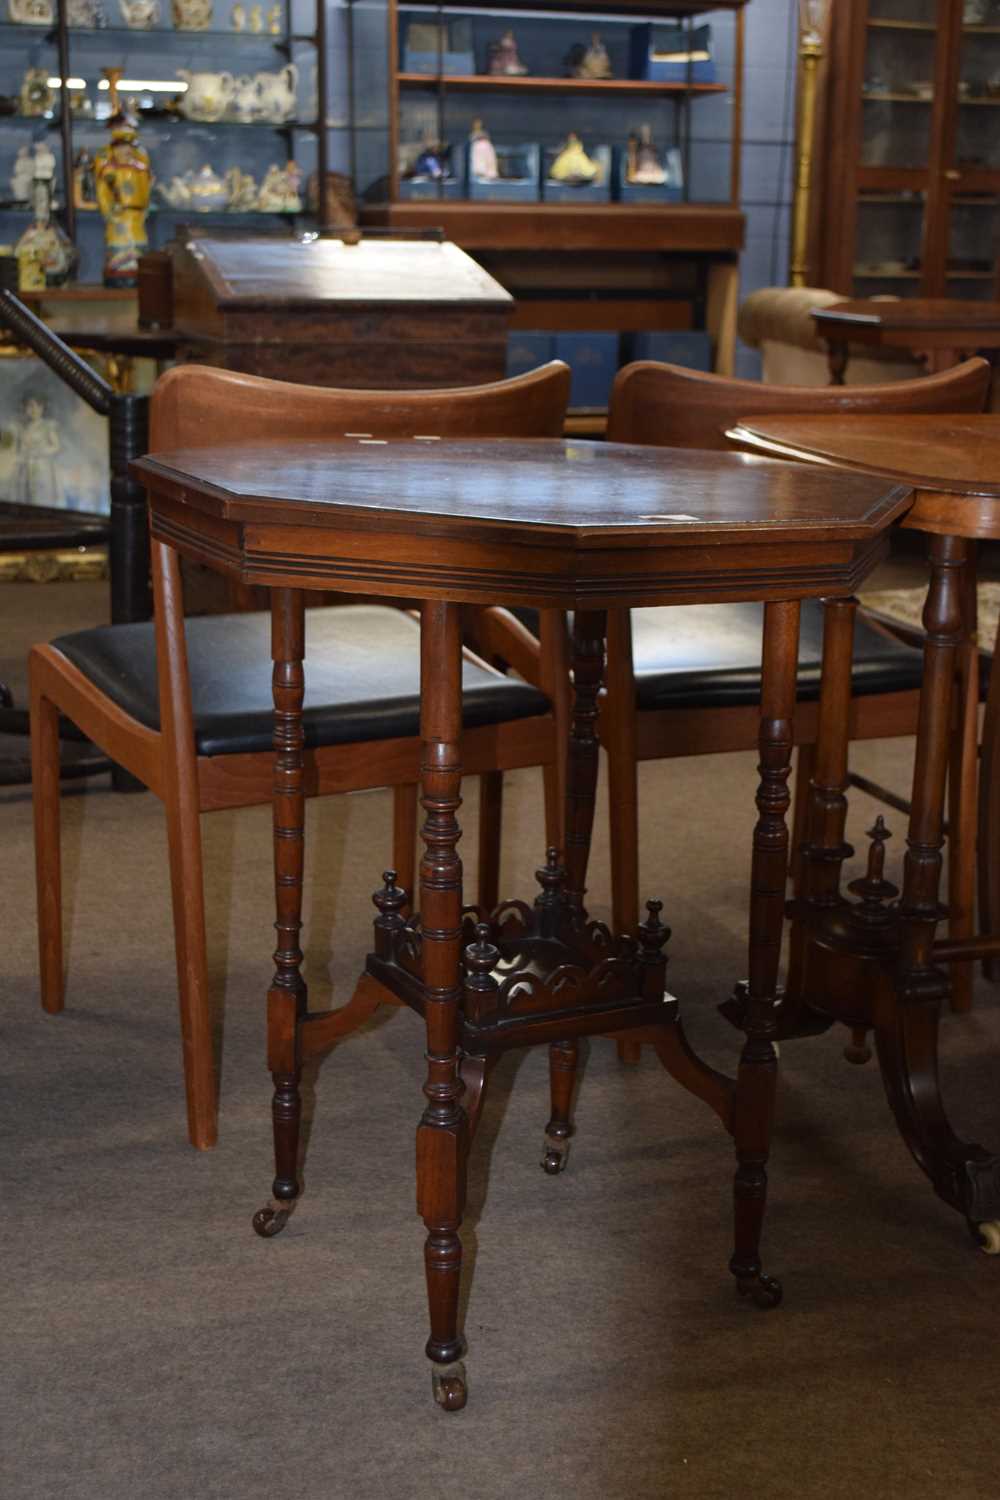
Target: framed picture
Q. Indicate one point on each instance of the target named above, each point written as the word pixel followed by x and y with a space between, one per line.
pixel 53 448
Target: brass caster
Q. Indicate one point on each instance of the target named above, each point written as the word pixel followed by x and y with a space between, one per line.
pixel 763 1291
pixel 988 1236
pixel 556 1155
pixel 270 1221
pixel 449 1385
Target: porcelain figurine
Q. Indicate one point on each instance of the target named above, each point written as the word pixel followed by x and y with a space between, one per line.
pixel 482 156
pixel 279 192
pixel 241 191
pixel 88 15
pixel 256 18
pixel 32 12
pixel 84 186
pixel 43 247
pixel 140 15
pixel 433 162
pixel 573 166
pixel 123 181
pixel 207 95
pixel 589 62
pixel 503 59
pixel 36 98
pixel 274 25
pixel 191 15
pixel 276 94
pixel 643 161
pixel 238 18
pixel 22 176
pixel 44 162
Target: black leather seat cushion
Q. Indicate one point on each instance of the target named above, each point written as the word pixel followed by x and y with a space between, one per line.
pixel 708 656
pixel 362 675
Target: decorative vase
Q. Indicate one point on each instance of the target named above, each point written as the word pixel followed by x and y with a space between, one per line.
pixel 191 15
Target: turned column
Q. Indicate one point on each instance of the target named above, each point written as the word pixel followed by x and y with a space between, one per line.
pixel 584 746
pixel 287 997
pixel 753 1107
pixel 442 1135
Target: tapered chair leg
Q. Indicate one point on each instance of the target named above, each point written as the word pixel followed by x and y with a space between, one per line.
pixel 48 862
pixel 490 824
pixel 404 837
pixel 190 946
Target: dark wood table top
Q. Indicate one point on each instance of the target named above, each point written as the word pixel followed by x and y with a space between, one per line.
pixel 910 314
pixel 952 462
pixel 543 522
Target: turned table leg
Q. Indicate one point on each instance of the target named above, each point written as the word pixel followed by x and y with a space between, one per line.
pixel 581 777
pixel 443 1132
pixel 753 1105
pixel 287 999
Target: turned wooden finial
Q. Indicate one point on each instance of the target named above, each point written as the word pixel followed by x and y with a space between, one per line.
pixel 481 958
pixel 652 933
pixel 390 901
pixel 551 877
pixel 874 890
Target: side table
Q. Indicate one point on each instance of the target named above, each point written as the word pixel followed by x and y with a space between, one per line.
pixel 946 329
pixel 876 963
pixel 547 523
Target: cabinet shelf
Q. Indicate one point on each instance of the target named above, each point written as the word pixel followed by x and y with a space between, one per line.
pixel 139 35
pixel 883 96
pixel 876 23
pixel 482 82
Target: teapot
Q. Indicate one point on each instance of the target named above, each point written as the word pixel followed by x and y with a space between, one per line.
pixel 207 95
pixel 178 193
pixel 243 102
pixel 191 15
pixel 140 15
pixel 208 191
pixel 31 12
pixel 276 94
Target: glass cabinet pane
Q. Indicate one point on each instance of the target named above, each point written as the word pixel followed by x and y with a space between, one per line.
pixel 977 142
pixel 888 240
pixel 973 246
pixel 898 86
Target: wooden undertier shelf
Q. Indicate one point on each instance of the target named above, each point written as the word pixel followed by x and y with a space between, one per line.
pixel 538 85
pixel 666 227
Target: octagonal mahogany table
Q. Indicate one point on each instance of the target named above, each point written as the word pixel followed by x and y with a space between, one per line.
pixel 945 329
pixel 544 523
pixel 874 964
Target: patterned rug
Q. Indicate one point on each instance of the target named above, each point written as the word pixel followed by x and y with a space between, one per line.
pixel 906 605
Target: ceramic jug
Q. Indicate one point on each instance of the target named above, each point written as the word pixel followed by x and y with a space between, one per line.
pixel 31 12
pixel 207 95
pixel 276 94
pixel 243 103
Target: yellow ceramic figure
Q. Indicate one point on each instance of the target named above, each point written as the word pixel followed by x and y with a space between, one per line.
pixel 123 181
pixel 573 164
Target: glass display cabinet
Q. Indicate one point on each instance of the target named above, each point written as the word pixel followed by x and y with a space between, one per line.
pixel 589 157
pixel 226 95
pixel 912 202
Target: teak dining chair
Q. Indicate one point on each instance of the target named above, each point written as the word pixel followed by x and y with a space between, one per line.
pixel 185 707
pixel 686 681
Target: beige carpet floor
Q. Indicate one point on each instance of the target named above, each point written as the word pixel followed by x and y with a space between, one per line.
pixel 155 1348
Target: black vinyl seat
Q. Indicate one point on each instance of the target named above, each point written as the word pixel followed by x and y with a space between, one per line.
pixel 362 674
pixel 708 656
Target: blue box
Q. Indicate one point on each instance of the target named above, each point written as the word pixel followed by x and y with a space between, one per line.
pixel 690 347
pixel 421 55
pixel 590 192
pixel 527 350
pixel 670 191
pixel 671 54
pixel 412 189
pixel 519 184
pixel 593 359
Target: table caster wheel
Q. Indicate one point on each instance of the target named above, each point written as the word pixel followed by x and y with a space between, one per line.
pixel 857 1050
pixel 988 1236
pixel 556 1156
pixel 270 1221
pixel 763 1291
pixel 449 1385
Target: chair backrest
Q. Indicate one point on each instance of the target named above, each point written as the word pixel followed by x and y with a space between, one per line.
pixel 676 408
pixel 195 406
